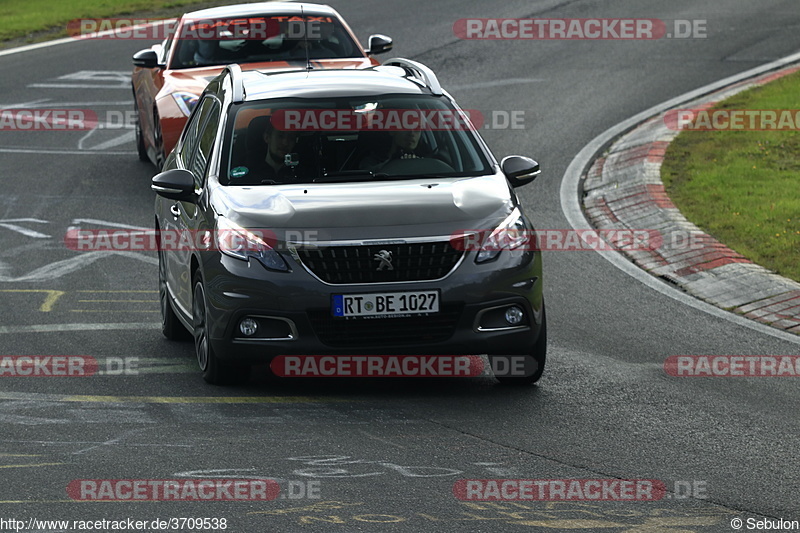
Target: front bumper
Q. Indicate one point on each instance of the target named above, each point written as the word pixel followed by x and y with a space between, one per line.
pixel 296 307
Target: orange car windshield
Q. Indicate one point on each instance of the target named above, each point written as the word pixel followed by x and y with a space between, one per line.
pixel 210 42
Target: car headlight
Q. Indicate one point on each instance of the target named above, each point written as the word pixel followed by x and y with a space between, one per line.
pixel 512 233
pixel 238 242
pixel 185 101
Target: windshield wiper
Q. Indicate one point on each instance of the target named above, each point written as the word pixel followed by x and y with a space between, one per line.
pixel 351 175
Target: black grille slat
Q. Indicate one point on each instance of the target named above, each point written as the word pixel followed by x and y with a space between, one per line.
pixel 356 263
pixel 366 332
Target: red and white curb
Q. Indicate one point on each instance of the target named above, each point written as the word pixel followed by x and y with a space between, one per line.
pixel 622 189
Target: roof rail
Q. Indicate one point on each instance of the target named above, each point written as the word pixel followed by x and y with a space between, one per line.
pixel 236 81
pixel 419 71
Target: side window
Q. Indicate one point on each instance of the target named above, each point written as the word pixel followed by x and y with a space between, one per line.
pixel 193 129
pixel 208 135
pixel 166 45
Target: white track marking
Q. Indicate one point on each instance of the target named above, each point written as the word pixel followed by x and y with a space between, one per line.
pixel 68 266
pixel 75 86
pixel 68 40
pixel 495 83
pixel 105 224
pixel 59 328
pixel 9 224
pixel 45 151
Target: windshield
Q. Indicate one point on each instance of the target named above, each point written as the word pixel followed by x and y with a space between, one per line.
pixel 201 43
pixel 350 139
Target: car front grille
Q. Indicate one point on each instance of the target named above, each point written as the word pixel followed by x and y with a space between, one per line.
pixel 393 331
pixel 364 263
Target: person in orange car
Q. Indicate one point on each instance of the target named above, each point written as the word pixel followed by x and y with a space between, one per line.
pixel 168 77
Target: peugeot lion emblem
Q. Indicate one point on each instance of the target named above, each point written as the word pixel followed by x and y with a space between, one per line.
pixel 385 258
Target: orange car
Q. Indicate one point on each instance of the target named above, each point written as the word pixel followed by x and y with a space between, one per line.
pixel 168 77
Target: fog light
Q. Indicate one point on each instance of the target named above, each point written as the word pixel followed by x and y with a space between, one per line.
pixel 248 327
pixel 514 315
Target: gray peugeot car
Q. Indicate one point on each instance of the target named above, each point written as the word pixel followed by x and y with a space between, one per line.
pixel 344 212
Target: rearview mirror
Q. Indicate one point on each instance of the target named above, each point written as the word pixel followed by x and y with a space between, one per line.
pixel 379 44
pixel 520 170
pixel 175 184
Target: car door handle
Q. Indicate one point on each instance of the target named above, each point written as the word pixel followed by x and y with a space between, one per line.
pixel 175 210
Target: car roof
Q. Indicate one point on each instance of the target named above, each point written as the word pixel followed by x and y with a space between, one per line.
pixel 263 8
pixel 328 83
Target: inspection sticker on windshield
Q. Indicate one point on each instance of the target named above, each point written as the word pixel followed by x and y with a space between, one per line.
pixel 386 303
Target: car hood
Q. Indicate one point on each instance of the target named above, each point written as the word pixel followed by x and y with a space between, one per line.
pixel 194 80
pixel 385 209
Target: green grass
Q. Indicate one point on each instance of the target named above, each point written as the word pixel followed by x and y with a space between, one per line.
pixel 26 19
pixel 743 187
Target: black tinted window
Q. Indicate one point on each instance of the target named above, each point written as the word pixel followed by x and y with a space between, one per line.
pixel 373 137
pixel 260 39
pixel 193 130
pixel 208 134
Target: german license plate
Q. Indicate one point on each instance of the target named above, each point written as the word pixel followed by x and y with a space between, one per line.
pixel 386 303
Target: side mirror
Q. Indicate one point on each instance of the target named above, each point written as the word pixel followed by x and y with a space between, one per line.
pixel 175 184
pixel 379 44
pixel 520 170
pixel 145 58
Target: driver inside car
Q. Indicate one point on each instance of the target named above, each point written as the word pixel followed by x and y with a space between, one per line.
pixel 275 161
pixel 403 144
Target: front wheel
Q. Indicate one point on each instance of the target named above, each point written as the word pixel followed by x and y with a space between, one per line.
pixel 158 139
pixel 215 371
pixel 141 150
pixel 534 361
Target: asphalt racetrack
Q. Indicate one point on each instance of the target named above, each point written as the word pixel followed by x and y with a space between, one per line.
pixel 378 456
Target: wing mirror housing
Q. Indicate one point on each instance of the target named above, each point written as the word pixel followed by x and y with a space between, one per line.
pixel 175 184
pixel 145 58
pixel 520 170
pixel 379 44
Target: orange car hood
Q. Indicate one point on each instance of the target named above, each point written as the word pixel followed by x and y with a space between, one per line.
pixel 194 80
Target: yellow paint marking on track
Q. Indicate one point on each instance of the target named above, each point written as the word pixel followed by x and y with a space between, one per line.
pixel 198 399
pixel 31 465
pixel 119 301
pixel 148 291
pixel 49 301
pixel 39 501
pixel 323 506
pixel 111 311
pixel 571 524
pixel 81 501
pixel 19 455
pixel 679 521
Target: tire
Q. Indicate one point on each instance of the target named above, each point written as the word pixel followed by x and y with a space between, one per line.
pixel 215 371
pixel 158 140
pixel 171 326
pixel 535 360
pixel 140 148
